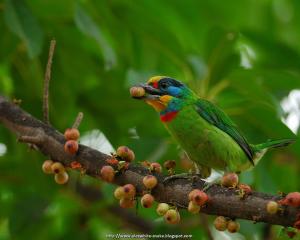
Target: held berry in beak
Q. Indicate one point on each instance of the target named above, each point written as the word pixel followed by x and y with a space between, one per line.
pixel 149 94
pixel 145 91
pixel 137 92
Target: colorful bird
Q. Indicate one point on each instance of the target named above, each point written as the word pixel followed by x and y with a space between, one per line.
pixel 207 135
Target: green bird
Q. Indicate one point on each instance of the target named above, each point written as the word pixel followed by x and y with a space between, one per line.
pixel 207 135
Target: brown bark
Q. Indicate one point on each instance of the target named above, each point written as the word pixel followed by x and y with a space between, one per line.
pixel 223 201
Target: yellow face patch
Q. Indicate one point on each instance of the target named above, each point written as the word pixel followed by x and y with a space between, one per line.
pixel 155 79
pixel 165 99
pixel 161 103
pixel 157 105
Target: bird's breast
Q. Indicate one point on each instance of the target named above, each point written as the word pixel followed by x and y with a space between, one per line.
pixel 204 143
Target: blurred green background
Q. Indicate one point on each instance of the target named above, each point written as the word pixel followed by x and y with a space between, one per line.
pixel 242 55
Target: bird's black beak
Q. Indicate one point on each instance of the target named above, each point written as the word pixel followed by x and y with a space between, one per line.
pixel 150 90
pixel 151 93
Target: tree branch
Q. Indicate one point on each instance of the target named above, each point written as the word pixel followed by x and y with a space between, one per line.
pixel 223 201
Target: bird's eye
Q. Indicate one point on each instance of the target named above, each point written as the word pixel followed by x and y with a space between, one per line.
pixel 164 85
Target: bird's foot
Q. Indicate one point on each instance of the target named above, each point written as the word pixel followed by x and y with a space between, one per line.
pixel 208 185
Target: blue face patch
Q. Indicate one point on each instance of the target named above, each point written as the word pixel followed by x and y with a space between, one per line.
pixel 174 91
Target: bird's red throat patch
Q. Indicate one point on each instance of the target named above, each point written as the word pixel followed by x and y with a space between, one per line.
pixel 169 116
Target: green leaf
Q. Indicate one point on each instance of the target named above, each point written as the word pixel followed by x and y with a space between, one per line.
pixel 26 214
pixel 20 21
pixel 6 83
pixel 4 229
pixel 221 54
pixel 90 28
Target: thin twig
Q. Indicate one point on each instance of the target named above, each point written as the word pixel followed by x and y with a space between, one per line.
pixel 78 120
pixel 46 82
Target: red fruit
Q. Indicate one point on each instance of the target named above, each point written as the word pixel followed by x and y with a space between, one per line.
pixel 198 197
pixel 150 181
pixel 220 223
pixel 57 167
pixel 76 165
pixel 246 188
pixel 230 180
pixel 292 199
pixel 147 200
pixel 170 164
pixel 233 226
pixel 112 161
pixel 119 193
pixel 125 153
pixel 46 167
pixel 172 216
pixel 191 194
pixel 71 134
pixel 129 191
pixel 71 146
pixel 127 203
pixel 61 178
pixel 107 173
pixel 162 208
pixel 155 167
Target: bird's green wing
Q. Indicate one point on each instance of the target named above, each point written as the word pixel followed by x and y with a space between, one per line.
pixel 218 118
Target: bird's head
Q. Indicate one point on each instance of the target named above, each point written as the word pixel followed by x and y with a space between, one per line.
pixel 160 91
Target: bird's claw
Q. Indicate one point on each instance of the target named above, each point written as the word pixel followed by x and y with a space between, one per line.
pixel 208 185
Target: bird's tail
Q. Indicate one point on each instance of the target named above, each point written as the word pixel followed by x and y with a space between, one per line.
pixel 261 149
pixel 274 144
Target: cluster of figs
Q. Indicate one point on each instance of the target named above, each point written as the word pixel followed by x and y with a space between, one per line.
pixel 127 194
